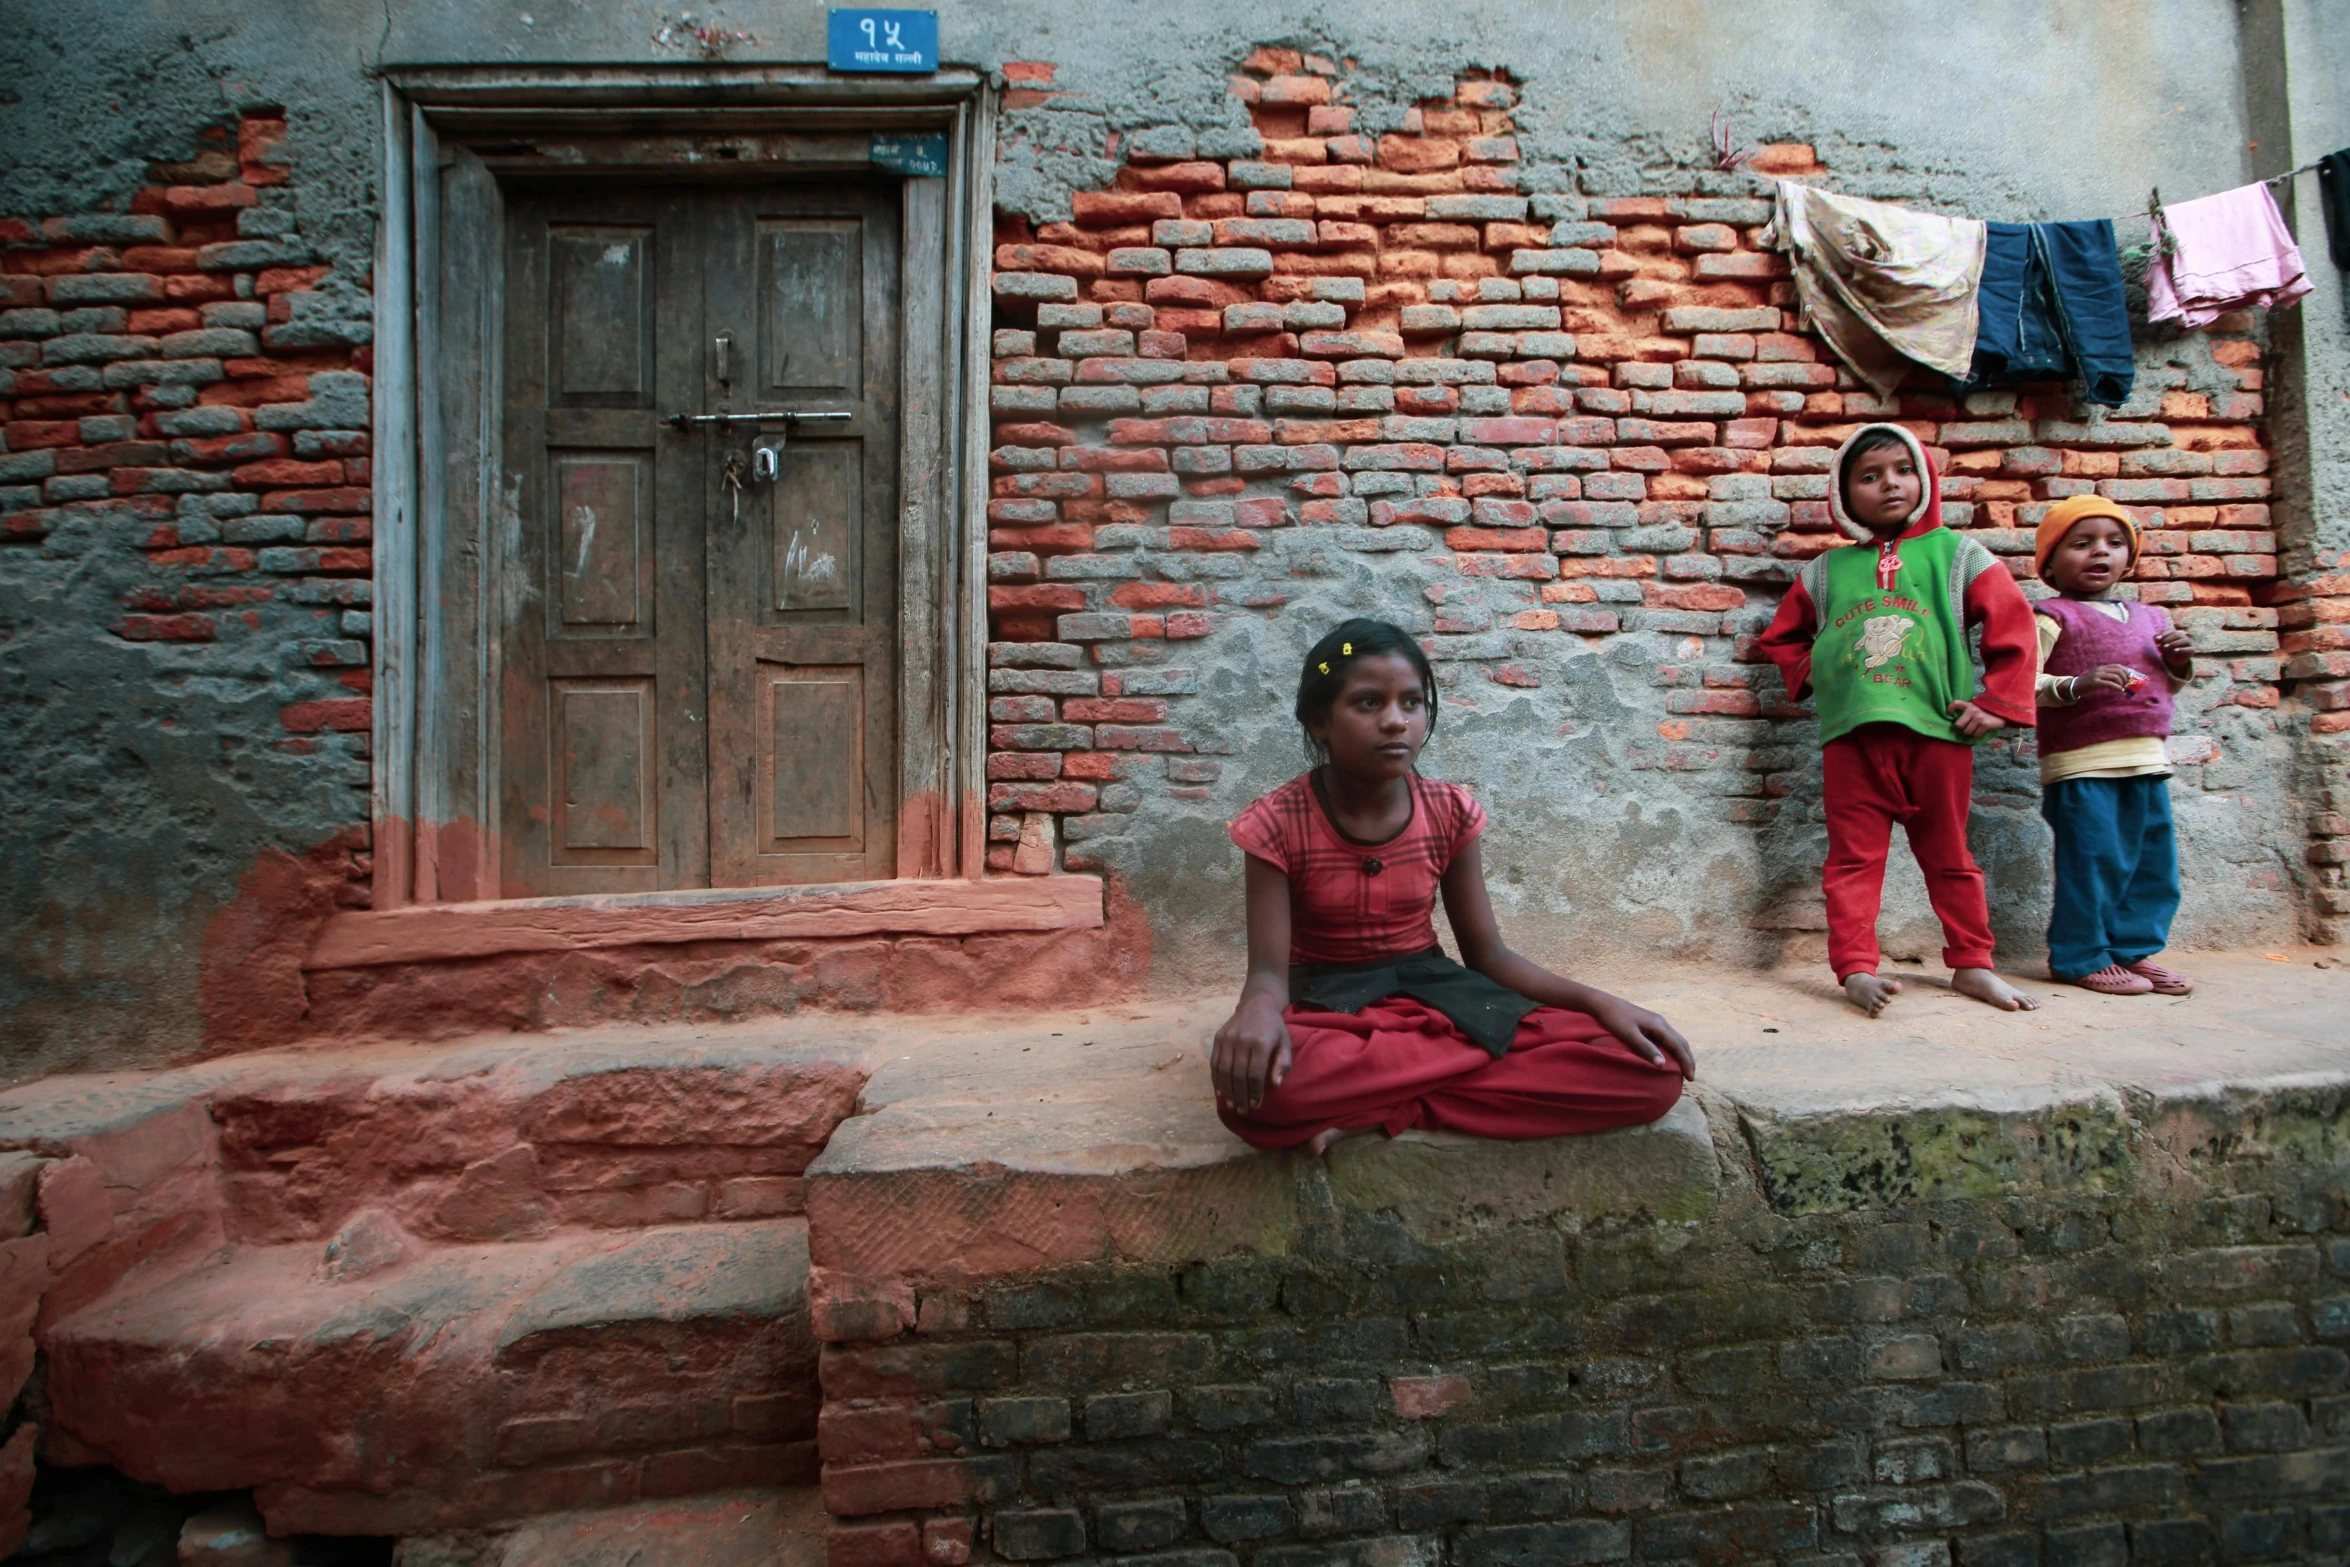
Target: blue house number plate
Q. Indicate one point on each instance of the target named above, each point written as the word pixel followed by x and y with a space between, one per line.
pixel 882 41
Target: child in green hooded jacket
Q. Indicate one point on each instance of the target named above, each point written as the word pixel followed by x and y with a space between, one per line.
pixel 1877 630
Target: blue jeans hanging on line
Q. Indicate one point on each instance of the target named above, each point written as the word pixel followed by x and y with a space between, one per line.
pixel 2051 305
pixel 2117 872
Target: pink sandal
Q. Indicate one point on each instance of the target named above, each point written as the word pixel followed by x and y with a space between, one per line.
pixel 2114 980
pixel 2166 981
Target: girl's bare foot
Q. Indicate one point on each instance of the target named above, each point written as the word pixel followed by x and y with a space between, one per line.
pixel 1319 1143
pixel 1869 992
pixel 1988 987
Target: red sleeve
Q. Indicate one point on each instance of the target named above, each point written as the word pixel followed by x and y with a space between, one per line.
pixel 1468 822
pixel 2011 646
pixel 1258 831
pixel 1788 641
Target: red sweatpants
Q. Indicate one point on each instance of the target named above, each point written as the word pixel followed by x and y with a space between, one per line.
pixel 1875 776
pixel 1400 1063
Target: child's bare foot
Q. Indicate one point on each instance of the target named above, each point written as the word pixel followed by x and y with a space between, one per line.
pixel 1319 1143
pixel 1988 987
pixel 1869 992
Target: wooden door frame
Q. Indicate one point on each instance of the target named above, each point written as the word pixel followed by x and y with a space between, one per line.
pixel 443 506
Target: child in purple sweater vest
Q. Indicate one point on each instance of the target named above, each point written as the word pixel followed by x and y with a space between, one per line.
pixel 2108 670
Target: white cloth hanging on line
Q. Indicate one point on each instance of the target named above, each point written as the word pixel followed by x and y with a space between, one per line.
pixel 1885 285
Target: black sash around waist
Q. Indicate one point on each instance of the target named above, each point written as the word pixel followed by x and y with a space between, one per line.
pixel 1487 1011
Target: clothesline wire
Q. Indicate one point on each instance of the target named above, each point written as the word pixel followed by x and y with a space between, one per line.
pixel 2307 168
pixel 2155 203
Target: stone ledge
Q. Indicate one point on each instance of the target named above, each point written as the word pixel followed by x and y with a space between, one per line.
pixel 1098 1143
pixel 1094 1141
pixel 1943 1099
pixel 988 1145
pixel 1441 1185
pixel 2108 1141
pixel 451 931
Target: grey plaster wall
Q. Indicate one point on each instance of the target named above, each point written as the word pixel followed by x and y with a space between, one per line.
pixel 1594 857
pixel 148 784
pixel 137 801
pixel 2018 109
pixel 2297 82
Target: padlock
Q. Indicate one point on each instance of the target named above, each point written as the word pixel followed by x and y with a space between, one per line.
pixel 766 463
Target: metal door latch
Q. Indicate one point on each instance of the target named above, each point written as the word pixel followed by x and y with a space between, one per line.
pixel 767 463
pixel 683 422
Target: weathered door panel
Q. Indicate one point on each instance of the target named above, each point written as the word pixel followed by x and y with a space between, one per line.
pixel 810 305
pixel 604 763
pixel 804 578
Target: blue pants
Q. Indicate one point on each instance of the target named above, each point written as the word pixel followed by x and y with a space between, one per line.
pixel 2051 304
pixel 2117 872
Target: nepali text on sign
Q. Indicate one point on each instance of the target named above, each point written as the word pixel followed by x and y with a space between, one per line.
pixel 916 154
pixel 882 40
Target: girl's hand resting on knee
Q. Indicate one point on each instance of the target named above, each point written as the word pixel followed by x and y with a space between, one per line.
pixel 1470 909
pixel 1645 1033
pixel 1252 1054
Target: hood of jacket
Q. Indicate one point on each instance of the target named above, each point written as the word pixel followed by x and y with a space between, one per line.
pixel 1928 514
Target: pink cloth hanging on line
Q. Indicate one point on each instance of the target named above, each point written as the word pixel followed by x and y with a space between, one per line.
pixel 2234 250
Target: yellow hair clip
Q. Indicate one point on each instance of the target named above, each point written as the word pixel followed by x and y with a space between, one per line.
pixel 1347 649
pixel 1325 668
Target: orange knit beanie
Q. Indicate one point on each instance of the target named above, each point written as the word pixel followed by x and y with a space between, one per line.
pixel 2064 514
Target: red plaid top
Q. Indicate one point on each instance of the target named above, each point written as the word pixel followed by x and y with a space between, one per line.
pixel 1358 902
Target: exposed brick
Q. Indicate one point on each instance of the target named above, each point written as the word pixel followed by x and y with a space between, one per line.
pixel 1423 1398
pixel 1038 1534
pixel 854 1490
pixel 350 714
pixel 896 1544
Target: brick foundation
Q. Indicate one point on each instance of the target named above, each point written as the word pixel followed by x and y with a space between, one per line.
pixel 2135 1354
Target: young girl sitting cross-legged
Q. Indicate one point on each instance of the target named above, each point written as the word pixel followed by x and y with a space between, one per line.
pixel 1352 1017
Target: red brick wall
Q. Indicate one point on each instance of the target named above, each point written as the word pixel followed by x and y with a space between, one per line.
pixel 1592 413
pixel 1596 412
pixel 2315 619
pixel 169 395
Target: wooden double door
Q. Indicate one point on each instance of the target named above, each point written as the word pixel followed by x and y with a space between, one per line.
pixel 699 667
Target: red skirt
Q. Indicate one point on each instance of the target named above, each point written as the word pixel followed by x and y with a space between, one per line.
pixel 1400 1063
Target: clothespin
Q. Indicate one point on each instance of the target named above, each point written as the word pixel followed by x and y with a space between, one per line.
pixel 2165 242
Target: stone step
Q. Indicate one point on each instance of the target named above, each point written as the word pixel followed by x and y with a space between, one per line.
pixel 768 1528
pixel 379 1384
pixel 500 1138
pixel 516 1138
